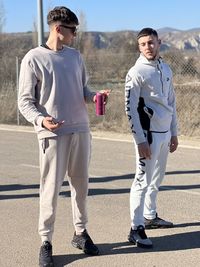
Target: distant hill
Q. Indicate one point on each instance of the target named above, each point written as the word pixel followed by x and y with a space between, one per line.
pixel 185 40
pixel 166 30
pixel 188 40
pixel 182 40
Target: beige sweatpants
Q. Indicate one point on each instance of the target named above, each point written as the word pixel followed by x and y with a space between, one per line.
pixel 68 154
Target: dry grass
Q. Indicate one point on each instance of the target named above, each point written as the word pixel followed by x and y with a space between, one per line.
pixel 188 108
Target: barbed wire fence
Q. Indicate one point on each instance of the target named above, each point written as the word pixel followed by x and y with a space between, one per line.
pixel 108 71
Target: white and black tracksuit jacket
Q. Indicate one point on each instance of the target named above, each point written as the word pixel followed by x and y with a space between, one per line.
pixel 150 99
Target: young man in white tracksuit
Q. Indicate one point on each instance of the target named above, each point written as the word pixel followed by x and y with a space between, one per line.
pixel 151 110
pixel 52 95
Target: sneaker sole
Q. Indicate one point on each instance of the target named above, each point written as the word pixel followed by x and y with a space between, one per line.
pixel 47 265
pixel 140 245
pixel 75 245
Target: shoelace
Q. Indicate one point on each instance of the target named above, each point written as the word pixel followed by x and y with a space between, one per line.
pixel 84 238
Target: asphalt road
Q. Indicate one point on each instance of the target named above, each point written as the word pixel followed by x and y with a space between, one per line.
pixel 112 170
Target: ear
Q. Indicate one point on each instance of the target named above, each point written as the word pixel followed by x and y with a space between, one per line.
pixel 57 28
pixel 159 41
pixel 139 49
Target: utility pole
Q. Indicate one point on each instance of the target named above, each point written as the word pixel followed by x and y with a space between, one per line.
pixel 40 23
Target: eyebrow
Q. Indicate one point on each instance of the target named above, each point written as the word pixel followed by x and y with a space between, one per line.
pixel 148 42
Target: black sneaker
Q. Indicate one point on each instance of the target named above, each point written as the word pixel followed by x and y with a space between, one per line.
pixel 139 238
pixel 45 257
pixel 85 243
pixel 157 223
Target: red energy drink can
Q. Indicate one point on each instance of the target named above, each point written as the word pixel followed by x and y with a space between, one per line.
pixel 100 104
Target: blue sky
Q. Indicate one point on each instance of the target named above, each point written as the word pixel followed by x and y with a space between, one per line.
pixel 108 15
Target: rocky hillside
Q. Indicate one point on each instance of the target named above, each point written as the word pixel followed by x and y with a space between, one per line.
pixel 171 38
pixel 182 40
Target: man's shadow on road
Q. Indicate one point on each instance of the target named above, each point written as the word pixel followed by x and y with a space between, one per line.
pixel 174 242
pixel 92 191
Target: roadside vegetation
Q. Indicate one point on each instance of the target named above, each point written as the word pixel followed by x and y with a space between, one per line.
pixel 107 59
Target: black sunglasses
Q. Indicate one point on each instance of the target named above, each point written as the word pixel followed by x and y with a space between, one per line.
pixel 72 28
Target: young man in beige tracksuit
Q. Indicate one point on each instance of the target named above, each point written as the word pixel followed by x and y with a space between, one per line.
pixel 52 95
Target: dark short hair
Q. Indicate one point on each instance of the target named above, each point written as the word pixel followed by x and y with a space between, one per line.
pixel 146 32
pixel 63 14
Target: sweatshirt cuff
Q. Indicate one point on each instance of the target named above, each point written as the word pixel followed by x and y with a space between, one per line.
pixel 174 131
pixel 38 121
pixel 89 98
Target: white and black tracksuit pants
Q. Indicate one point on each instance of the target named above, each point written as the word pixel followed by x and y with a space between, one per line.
pixel 149 176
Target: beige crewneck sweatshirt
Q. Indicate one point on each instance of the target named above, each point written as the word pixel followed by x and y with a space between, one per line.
pixel 54 83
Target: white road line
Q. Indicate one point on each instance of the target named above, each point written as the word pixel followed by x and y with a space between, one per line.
pixel 29 166
pixel 112 139
pixel 130 141
pixel 15 129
